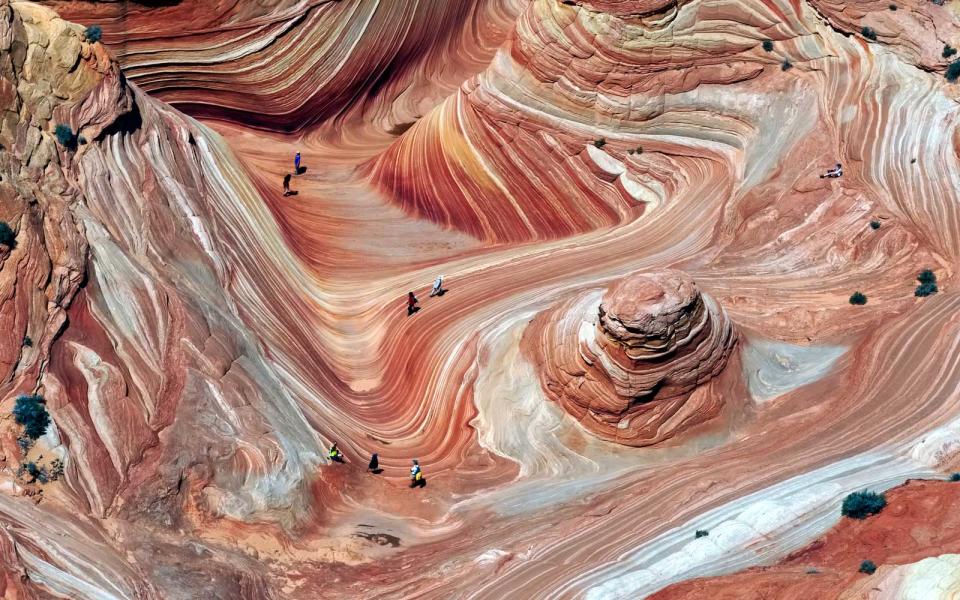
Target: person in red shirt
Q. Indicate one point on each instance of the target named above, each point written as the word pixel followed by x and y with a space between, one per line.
pixel 412 304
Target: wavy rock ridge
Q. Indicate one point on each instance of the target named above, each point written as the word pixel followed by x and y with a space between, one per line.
pixel 631 371
pixel 291 64
pixel 140 351
pixel 200 338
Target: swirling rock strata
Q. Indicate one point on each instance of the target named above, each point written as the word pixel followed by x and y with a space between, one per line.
pixel 632 371
pixel 116 302
pixel 289 64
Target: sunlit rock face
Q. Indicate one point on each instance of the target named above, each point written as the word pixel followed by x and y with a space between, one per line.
pixel 630 371
pixel 290 64
pixel 116 305
pixel 913 543
pixel 200 339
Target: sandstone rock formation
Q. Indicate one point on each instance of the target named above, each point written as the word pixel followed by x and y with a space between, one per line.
pixel 631 370
pixel 291 64
pixel 914 525
pixel 147 372
pixel 200 338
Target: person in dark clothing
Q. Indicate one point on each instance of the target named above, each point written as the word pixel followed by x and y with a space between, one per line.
pixel 334 453
pixel 833 173
pixel 286 185
pixel 412 304
pixel 374 465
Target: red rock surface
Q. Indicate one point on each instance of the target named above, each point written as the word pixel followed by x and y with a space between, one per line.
pixel 201 339
pixel 917 523
pixel 290 64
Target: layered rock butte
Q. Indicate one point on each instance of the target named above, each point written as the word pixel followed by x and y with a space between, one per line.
pixel 571 167
pixel 636 370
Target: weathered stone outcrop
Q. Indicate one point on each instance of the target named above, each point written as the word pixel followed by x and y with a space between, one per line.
pixel 631 370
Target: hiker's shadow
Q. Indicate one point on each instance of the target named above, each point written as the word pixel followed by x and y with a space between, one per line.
pixel 376 471
pixel 413 310
pixel 419 484
pixel 301 170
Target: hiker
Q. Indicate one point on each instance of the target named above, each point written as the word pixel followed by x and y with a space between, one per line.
pixel 296 164
pixel 286 185
pixel 374 465
pixel 416 474
pixel 334 453
pixel 837 171
pixel 437 287
pixel 412 304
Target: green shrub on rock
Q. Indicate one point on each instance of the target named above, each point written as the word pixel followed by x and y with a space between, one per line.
pixel 860 505
pixel 92 34
pixel 31 413
pixel 7 237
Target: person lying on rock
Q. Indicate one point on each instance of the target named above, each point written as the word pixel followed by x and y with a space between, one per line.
pixel 837 171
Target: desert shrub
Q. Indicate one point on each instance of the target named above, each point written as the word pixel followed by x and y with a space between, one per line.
pixel 948 51
pixel 65 135
pixel 869 33
pixel 31 469
pixel 868 567
pixel 56 469
pixel 955 477
pixel 860 505
pixel 7 237
pixel 858 298
pixel 768 45
pixel 637 150
pixel 701 533
pixel 25 443
pixel 927 276
pixel 600 143
pixel 786 65
pixel 27 342
pixel 953 71
pixel 925 289
pixel 30 412
pixel 93 33
pixel 875 224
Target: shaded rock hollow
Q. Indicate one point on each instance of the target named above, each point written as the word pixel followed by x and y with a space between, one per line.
pixel 635 369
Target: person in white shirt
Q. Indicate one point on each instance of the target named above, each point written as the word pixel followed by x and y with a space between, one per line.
pixel 437 287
